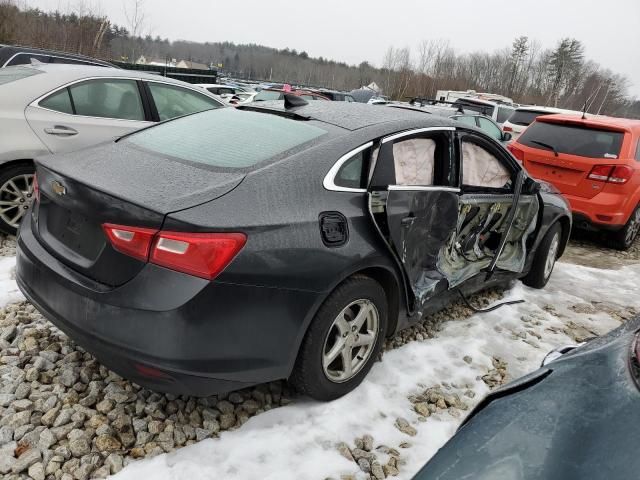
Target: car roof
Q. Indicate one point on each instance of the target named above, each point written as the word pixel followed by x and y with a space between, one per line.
pixel 354 115
pixel 595 121
pixel 11 50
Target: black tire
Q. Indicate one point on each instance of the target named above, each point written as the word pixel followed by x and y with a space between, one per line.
pixel 623 239
pixel 537 277
pixel 6 174
pixel 308 376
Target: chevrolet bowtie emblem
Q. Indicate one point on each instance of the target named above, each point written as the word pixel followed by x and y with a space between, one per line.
pixel 58 188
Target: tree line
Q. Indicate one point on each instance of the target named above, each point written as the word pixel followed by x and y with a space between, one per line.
pixel 560 76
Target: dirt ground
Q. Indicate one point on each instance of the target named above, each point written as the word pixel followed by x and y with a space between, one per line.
pixel 590 250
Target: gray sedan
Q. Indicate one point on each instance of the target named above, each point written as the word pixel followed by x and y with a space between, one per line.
pixel 62 108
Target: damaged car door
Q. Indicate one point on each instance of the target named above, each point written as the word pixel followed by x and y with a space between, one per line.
pixel 413 200
pixel 494 219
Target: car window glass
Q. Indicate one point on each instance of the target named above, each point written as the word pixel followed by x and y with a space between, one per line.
pixel 467 120
pixel 524 117
pixel 503 114
pixel 174 102
pixel 25 59
pixel 349 98
pixel 108 98
pixel 573 140
pixel 58 101
pixel 414 161
pixel 267 95
pixel 219 138
pixel 490 128
pixel 638 151
pixel 480 168
pixel 350 174
pixel 17 73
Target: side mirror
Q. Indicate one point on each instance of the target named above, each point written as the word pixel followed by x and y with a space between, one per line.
pixel 531 187
pixel 506 136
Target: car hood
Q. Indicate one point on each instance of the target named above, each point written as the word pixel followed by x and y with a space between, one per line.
pixel 577 417
pixel 146 179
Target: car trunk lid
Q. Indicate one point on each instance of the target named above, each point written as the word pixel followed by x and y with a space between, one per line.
pixel 80 192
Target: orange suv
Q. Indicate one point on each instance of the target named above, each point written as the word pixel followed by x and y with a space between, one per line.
pixel 595 163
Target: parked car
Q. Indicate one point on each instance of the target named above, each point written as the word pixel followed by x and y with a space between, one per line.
pixel 61 108
pixel 229 93
pixel 499 112
pixel 572 418
pixel 336 96
pixel 267 94
pixel 522 117
pixel 11 55
pixel 293 255
pixel 218 89
pixel 595 163
pixel 470 118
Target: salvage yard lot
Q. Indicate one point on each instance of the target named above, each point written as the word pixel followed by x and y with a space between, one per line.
pixel 72 418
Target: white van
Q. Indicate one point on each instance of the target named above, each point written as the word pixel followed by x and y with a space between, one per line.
pixel 498 111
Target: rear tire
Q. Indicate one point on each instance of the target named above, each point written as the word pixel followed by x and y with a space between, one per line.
pixel 335 333
pixel 623 239
pixel 545 258
pixel 16 193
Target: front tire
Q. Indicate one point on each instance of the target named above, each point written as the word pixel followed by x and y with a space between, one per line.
pixel 624 238
pixel 16 194
pixel 343 340
pixel 545 258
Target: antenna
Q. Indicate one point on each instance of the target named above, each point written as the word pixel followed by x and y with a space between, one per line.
pixel 584 111
pixel 291 101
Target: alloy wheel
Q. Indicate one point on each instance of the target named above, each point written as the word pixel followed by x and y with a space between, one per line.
pixel 552 255
pixel 350 341
pixel 632 228
pixel 16 194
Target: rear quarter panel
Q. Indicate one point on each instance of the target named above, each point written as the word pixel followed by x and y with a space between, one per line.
pixel 17 140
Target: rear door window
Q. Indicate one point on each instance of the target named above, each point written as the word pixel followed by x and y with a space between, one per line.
pixel 108 98
pixel 227 138
pixel 414 161
pixel 573 140
pixel 172 101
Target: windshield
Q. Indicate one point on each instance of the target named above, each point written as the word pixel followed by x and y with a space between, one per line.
pixel 525 117
pixel 11 74
pixel 267 95
pixel 226 138
pixel 573 139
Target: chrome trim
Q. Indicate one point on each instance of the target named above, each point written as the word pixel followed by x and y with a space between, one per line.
pixel 36 103
pixel 86 63
pixel 329 178
pixel 423 188
pixel 416 131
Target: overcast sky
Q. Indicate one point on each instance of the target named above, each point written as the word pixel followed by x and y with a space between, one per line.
pixel 357 30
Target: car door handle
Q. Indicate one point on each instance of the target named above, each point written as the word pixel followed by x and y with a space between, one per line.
pixel 61 131
pixel 407 221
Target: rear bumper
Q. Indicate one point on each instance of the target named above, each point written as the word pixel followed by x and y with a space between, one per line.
pixel 215 338
pixel 605 211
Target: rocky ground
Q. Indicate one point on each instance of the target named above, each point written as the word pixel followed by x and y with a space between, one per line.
pixel 64 416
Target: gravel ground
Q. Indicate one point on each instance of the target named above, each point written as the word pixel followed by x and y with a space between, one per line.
pixel 64 416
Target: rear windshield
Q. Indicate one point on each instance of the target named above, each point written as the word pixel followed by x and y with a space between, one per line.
pixel 226 138
pixel 503 114
pixel 11 74
pixel 573 139
pixel 525 117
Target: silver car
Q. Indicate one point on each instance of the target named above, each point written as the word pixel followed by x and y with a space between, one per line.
pixel 60 108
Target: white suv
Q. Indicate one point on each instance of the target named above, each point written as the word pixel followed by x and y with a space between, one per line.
pixel 498 111
pixel 524 116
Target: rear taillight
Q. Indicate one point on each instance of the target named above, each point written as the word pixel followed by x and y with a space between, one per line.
pixel 516 152
pixel 132 241
pixel 611 173
pixel 507 129
pixel 36 188
pixel 200 254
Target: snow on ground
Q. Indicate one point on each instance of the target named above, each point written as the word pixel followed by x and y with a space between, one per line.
pixel 299 441
pixel 9 291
